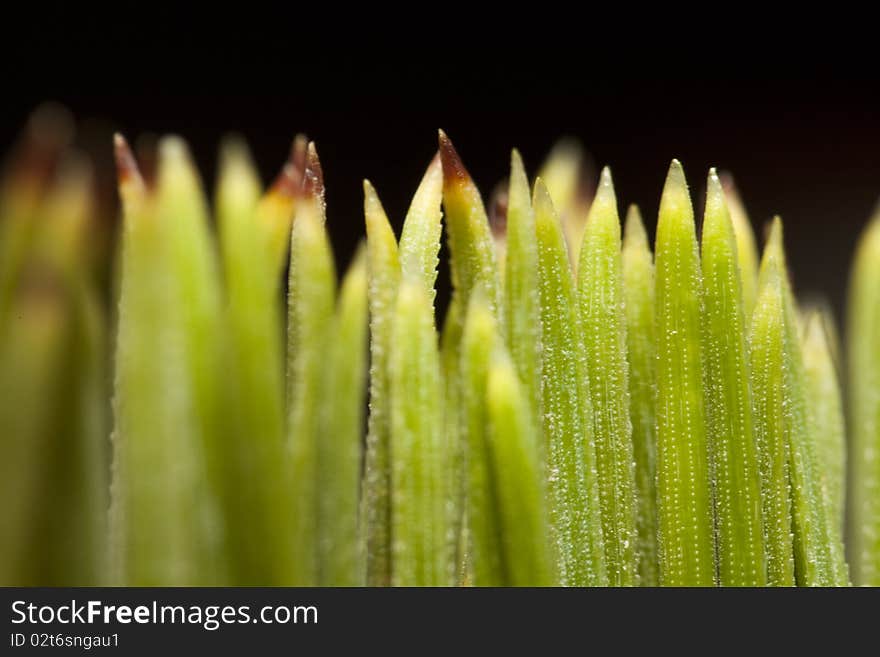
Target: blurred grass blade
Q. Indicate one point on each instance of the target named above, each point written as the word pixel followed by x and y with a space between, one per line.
pixel 567 421
pixel 863 360
pixel 383 272
pixel 638 289
pixel 825 408
pixel 160 509
pixel 515 461
pixel 746 248
pixel 738 522
pixel 76 480
pixel 31 378
pixel 813 559
pixel 48 133
pixel 685 530
pixel 498 202
pixel 339 447
pixel 481 507
pixel 565 172
pixel 600 289
pixel 254 461
pixel 419 472
pixel 311 294
pixel 471 247
pixel 523 328
pixel 277 207
pixel 182 208
pixel 826 404
pixel 54 397
pixel 767 340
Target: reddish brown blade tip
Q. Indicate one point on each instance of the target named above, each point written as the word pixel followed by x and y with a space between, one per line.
pixel 126 166
pixel 314 175
pixel 453 169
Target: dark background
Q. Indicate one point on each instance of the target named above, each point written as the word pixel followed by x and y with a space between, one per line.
pixel 805 146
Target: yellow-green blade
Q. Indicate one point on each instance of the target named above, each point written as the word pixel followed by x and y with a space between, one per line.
pixel 339 447
pixel 814 563
pixel 450 360
pixel 601 298
pixel 863 361
pixel 420 237
pixel 746 248
pixel 472 251
pixel 383 274
pixel 311 294
pixel 158 521
pixel 685 527
pixel 567 416
pixel 738 524
pixel 481 506
pixel 523 329
pixel 253 461
pixel 419 521
pixel 825 412
pixel 767 341
pixel 638 288
pixel 518 469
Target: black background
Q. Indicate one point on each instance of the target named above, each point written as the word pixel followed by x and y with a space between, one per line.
pixel 802 142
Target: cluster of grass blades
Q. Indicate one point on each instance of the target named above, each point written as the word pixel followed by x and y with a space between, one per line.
pixel 590 411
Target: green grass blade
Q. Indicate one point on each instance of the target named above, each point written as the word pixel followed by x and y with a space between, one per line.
pixel 863 360
pixel 767 340
pixel 157 517
pixel 481 507
pixel 638 289
pixel 601 296
pixel 567 416
pixel 523 328
pixel 825 406
pixel 814 544
pixel 311 290
pixel 450 359
pixel 420 238
pixel 471 247
pixel 339 448
pixel 518 469
pixel 738 522
pixel 746 247
pixel 254 461
pixel 685 532
pixel 383 269
pixel 182 208
pixel 563 172
pixel 418 469
pixel 813 559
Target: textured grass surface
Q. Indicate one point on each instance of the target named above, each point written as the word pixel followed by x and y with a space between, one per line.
pixel 684 497
pixel 737 492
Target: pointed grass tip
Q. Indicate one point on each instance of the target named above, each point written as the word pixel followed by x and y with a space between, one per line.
pixel 675 175
pixel 675 193
pixel 454 172
pixel 313 185
pixel 634 232
pixel 127 171
pixel 715 188
pixel 290 181
pixel 605 190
